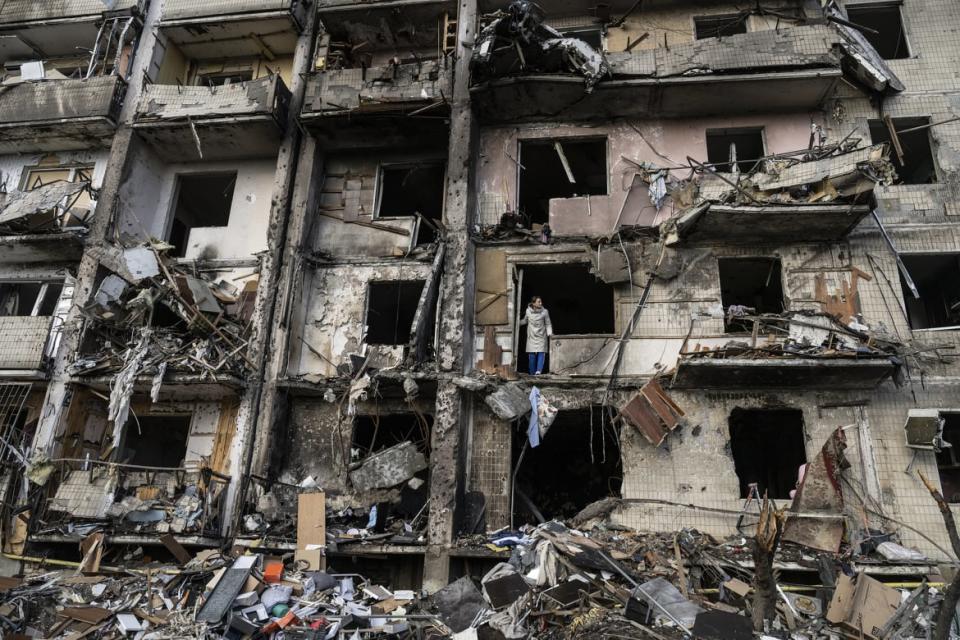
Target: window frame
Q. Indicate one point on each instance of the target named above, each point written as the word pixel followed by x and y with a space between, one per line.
pixel 378 188
pixel 885 4
pixel 717 16
pixel 41 295
pixel 75 173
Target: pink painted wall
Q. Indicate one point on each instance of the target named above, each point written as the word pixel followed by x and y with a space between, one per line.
pixel 675 139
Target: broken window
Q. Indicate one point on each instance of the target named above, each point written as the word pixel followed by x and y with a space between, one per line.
pixel 224 78
pixel 203 200
pixel 937 277
pixel 768 449
pixel 749 286
pixel 391 307
pixel 719 25
pixel 29 298
pixel 916 166
pixel 559 169
pixel 372 433
pixel 741 146
pixel 156 441
pixel 407 190
pixel 576 464
pixel 885 28
pixel 72 210
pixel 948 459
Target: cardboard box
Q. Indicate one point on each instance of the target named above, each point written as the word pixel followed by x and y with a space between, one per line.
pixel 863 606
pixel 313 558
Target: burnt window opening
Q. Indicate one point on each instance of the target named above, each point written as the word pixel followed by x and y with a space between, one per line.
pixel 937 278
pixel 768 449
pixel 745 145
pixel 578 303
pixel 407 190
pixel 559 169
pixel 948 459
pixel 720 25
pixel 203 200
pixel 752 286
pixel 373 433
pixel 890 39
pixel 593 36
pixel 918 166
pixel 156 441
pixel 29 298
pixel 577 463
pixel 391 307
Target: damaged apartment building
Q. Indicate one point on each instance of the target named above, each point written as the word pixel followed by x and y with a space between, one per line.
pixel 255 249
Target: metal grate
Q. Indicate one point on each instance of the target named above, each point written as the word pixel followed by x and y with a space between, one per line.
pixel 13 399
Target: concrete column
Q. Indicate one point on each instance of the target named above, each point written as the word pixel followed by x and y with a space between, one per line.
pixel 58 389
pixel 270 277
pixel 456 335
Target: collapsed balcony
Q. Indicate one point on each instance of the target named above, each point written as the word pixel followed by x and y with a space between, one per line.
pixel 59 114
pixel 796 350
pixel 126 501
pixel 232 121
pixel 819 196
pixel 47 221
pixel 524 69
pixel 153 323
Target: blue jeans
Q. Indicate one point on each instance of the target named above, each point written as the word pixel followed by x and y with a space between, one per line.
pixel 535 361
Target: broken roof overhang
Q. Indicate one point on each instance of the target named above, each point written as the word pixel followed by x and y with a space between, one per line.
pixel 22 204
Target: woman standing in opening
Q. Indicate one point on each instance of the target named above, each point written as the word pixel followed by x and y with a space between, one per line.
pixel 539 329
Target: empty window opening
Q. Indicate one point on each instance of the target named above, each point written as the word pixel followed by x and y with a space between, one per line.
pixel 559 169
pixel 156 441
pixel 406 190
pixel 937 278
pixel 577 463
pixel 29 298
pixel 918 166
pixel 890 39
pixel 224 78
pixel 203 200
pixel 743 146
pixel 751 286
pixel 768 449
pixel 948 459
pixel 578 303
pixel 591 35
pixel 373 433
pixel 391 307
pixel 720 25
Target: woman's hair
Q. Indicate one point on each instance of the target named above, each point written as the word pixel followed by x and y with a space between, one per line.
pixel 534 299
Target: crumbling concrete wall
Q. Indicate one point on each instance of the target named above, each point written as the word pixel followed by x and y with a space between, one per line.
pixel 349 202
pixel 148 203
pixel 332 316
pixel 14 167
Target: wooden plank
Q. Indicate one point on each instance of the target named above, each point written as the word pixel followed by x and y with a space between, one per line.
pixel 491 286
pixel 311 519
pixel 182 555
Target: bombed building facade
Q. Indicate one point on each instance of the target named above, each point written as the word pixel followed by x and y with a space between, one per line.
pixel 250 250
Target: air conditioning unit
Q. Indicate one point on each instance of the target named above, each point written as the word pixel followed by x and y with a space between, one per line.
pixel 924 430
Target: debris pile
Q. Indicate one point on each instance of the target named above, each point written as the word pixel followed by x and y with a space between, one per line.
pixel 151 315
pixel 553 582
pixel 518 38
pixel 46 208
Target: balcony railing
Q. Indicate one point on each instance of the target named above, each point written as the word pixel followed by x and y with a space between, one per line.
pixel 389 89
pixel 76 114
pixel 18 11
pixel 23 341
pixel 266 96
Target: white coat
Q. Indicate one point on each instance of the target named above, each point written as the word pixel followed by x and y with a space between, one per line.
pixel 539 329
